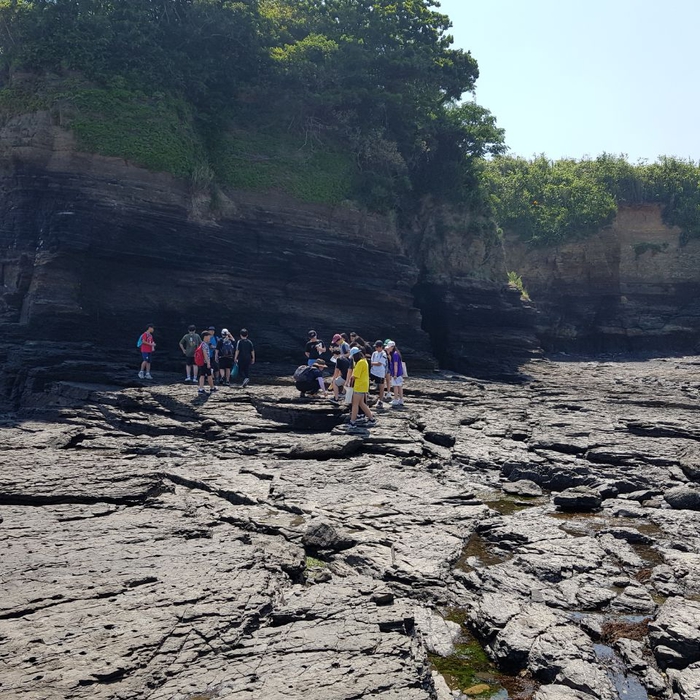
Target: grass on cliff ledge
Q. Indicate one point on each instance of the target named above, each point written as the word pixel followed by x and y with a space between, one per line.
pixel 283 161
pixel 154 131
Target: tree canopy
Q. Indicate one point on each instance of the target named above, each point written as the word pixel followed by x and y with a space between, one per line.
pixel 547 202
pixel 379 75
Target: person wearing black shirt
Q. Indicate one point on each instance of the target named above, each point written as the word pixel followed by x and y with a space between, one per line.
pixel 314 348
pixel 245 357
pixel 342 366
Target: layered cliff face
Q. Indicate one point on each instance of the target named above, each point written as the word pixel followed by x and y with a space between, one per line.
pixel 634 286
pixel 93 248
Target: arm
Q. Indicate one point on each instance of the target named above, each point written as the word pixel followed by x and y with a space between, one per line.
pixel 252 357
pixel 184 352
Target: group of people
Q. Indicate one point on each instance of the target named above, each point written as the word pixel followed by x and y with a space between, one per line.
pixel 355 364
pixel 209 357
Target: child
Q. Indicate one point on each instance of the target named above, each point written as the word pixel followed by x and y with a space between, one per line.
pixel 360 384
pixel 396 372
pixel 226 348
pixel 340 376
pixel 203 361
pixel 147 347
pixel 189 344
pixel 245 357
pixel 378 370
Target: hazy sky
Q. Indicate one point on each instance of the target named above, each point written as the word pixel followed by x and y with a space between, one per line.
pixel 572 78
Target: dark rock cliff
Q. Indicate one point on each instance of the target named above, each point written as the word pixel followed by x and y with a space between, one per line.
pixel 92 248
pixel 634 286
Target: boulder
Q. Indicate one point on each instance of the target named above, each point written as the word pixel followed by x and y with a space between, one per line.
pixel 523 487
pixel 683 498
pixel 675 633
pixel 578 499
pixel 321 535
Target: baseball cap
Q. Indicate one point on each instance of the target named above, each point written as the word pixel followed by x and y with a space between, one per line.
pixel 389 343
pixel 337 337
pixel 378 343
pixel 312 334
pixel 224 331
pixel 355 351
pixel 212 328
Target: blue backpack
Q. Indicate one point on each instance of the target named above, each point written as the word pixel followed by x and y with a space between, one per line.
pixel 139 342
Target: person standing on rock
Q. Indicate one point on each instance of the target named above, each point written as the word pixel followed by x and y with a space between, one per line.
pixel 396 372
pixel 189 344
pixel 360 385
pixel 226 349
pixel 340 375
pixel 202 358
pixel 314 348
pixel 213 352
pixel 378 369
pixel 147 347
pixel 245 357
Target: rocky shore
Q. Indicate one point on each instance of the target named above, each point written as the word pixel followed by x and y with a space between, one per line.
pixel 243 546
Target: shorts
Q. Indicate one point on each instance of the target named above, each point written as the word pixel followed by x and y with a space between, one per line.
pixel 204 371
pixel 397 381
pixel 214 364
pixel 189 361
pixel 146 356
pixel 377 380
pixel 339 381
pixel 225 362
pixel 310 362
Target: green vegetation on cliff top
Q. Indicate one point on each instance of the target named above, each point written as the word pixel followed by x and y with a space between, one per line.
pixel 324 99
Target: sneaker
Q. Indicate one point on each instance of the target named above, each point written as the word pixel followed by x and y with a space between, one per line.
pixel 201 391
pixel 371 423
pixel 352 424
pixel 141 374
pixel 395 403
pixel 335 402
pixel 213 389
pixel 245 382
pixel 380 405
pixel 148 375
pixel 187 380
pixel 361 419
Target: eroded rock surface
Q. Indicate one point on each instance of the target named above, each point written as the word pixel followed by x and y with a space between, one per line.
pixel 159 545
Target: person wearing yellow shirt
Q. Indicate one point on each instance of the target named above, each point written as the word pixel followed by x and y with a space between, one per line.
pixel 360 385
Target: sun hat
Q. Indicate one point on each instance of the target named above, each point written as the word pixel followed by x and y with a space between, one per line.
pixel 355 351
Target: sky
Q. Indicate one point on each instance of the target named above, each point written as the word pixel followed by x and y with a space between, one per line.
pixel 575 78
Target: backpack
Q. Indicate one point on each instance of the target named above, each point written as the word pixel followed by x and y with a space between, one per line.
pixel 199 356
pixel 299 373
pixel 226 349
pixel 139 342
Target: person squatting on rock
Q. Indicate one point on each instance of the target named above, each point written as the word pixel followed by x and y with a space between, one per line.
pixel 189 344
pixel 360 384
pixel 226 349
pixel 314 348
pixel 245 357
pixel 202 358
pixel 147 347
pixel 308 379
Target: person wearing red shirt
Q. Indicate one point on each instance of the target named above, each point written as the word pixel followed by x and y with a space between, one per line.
pixel 147 347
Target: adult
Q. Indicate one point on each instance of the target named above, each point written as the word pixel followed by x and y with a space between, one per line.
pixel 314 348
pixel 245 356
pixel 203 360
pixel 310 382
pixel 360 385
pixel 378 369
pixel 189 344
pixel 226 350
pixel 147 346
